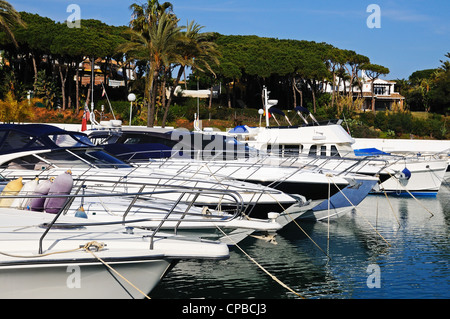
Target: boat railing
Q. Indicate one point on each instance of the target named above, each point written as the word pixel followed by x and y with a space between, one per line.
pixel 126 184
pixel 214 154
pixel 164 217
pixel 122 177
pixel 358 163
pixel 411 155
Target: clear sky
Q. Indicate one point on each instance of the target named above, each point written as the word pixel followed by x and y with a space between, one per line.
pixel 412 35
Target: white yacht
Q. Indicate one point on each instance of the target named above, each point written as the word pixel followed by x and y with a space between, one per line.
pixel 331 147
pixel 194 154
pixel 24 156
pixel 46 256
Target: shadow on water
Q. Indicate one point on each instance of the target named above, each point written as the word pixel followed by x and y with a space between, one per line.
pixel 398 237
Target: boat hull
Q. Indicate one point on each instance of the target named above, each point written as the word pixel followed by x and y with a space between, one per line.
pixel 66 280
pixel 76 258
pixel 341 202
pixel 425 180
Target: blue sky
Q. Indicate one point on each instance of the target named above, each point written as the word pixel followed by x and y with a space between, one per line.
pixel 414 34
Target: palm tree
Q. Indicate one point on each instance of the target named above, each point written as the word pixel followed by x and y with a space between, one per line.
pixel 157 39
pixel 445 64
pixel 8 17
pixel 145 15
pixel 153 41
pixel 196 51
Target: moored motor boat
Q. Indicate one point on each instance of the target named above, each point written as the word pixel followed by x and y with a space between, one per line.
pixel 330 146
pixel 41 257
pixel 194 153
pixel 45 150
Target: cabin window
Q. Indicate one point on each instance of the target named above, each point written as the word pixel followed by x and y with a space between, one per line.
pixel 334 152
pixel 66 140
pixel 274 149
pixel 132 140
pixel 323 150
pixel 291 150
pixel 313 150
pixel 16 140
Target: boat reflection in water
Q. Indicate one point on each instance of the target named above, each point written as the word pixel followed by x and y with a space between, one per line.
pixel 415 265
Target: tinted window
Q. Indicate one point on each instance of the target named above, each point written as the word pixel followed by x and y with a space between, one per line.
pixel 334 151
pixel 66 140
pixel 65 158
pixel 16 140
pixel 291 150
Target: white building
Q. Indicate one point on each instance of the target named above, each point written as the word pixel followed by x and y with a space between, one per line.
pixel 384 92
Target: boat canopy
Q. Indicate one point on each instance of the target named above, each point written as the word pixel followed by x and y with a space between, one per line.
pixel 24 137
pixel 302 109
pixel 239 129
pixel 369 152
pixel 274 110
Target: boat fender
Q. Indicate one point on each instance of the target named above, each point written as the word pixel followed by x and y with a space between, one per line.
pixel 37 204
pixel 61 186
pixel 11 189
pixel 27 189
pixel 404 176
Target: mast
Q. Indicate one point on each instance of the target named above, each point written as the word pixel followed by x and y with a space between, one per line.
pixel 92 85
pixel 266 105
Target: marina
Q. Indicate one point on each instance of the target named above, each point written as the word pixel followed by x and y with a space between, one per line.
pixel 414 266
pixel 215 172
pixel 379 246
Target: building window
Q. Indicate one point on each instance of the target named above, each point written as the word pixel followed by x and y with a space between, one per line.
pixel 379 90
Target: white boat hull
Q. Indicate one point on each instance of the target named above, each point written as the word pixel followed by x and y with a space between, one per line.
pixel 426 178
pixel 81 281
pixel 124 265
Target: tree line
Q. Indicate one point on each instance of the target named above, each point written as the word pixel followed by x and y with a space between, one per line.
pixel 44 56
pixel 428 90
pixel 298 69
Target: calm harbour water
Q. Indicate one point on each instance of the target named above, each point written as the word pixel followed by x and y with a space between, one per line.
pixel 361 265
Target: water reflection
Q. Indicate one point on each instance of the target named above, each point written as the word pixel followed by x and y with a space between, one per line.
pixel 399 235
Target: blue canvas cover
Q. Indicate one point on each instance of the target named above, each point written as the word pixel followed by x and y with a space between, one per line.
pixel 369 152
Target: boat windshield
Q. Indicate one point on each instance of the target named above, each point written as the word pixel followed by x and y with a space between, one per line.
pixel 70 140
pixel 73 158
pixel 15 141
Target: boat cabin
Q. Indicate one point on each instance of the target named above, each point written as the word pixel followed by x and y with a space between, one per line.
pixel 313 140
pixel 41 146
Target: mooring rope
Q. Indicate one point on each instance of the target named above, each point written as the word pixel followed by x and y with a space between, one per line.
pixel 95 244
pixel 259 265
pixel 392 208
pixel 295 222
pixel 88 248
pixel 398 181
pixel 356 209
